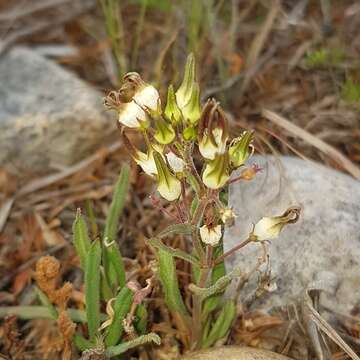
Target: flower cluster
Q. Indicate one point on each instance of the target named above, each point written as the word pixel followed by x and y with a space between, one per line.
pixel 172 133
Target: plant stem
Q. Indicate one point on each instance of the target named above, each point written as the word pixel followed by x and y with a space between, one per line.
pixel 221 258
pixel 196 334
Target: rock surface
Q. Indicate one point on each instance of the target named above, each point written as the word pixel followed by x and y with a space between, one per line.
pixel 326 238
pixel 48 116
pixel 234 353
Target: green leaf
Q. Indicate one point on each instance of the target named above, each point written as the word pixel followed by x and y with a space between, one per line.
pixel 81 343
pixel 141 340
pixel 92 288
pixel 157 243
pixel 222 324
pixel 46 302
pixel 122 307
pixel 81 238
pixel 176 229
pixel 113 261
pixel 169 281
pixel 141 319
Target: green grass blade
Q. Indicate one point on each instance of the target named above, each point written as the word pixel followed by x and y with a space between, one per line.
pixel 113 261
pixel 141 340
pixel 169 281
pixel 122 307
pixel 92 288
pixel 81 238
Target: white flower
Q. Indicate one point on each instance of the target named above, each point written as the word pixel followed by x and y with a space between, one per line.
pixel 177 164
pixel 148 97
pixel 146 162
pixel 132 113
pixel 268 228
pixel 170 189
pixel 169 186
pixel 209 150
pixel 210 235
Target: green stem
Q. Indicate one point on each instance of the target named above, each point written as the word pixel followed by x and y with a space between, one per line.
pixel 197 310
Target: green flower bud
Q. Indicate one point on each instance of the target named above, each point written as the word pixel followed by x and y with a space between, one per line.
pixel 184 92
pixel 169 186
pixel 172 111
pixel 216 172
pixel 241 149
pixel 191 111
pixel 189 133
pixel 165 134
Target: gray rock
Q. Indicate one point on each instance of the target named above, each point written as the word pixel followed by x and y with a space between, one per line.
pixel 326 239
pixel 48 116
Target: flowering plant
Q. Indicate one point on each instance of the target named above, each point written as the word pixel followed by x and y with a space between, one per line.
pixel 173 134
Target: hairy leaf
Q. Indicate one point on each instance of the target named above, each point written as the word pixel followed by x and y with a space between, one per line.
pixel 121 307
pixel 81 238
pixel 92 288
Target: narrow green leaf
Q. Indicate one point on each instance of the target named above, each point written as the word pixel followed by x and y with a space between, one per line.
pixel 91 216
pixel 169 281
pixel 81 343
pixel 81 238
pixel 219 286
pixel 222 324
pixel 113 261
pixel 46 302
pixel 176 229
pixel 157 243
pixel 141 319
pixel 141 340
pixel 122 307
pixel 92 288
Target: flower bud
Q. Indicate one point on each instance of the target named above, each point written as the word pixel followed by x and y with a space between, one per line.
pixel 216 172
pixel 213 131
pixel 169 186
pixel 210 235
pixel 270 227
pixel 227 216
pixel 189 133
pixel 191 111
pixel 172 111
pixel 177 164
pixel 165 134
pixel 241 149
pixel 183 94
